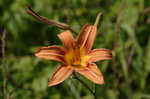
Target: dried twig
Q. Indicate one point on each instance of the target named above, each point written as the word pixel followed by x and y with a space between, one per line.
pixel 5 67
pixel 42 19
pixel 3 43
pixel 146 11
pixel 132 52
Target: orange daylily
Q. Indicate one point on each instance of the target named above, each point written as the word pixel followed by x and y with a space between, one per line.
pixel 76 56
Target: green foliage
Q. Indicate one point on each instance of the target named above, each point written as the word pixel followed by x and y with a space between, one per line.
pixel 124 29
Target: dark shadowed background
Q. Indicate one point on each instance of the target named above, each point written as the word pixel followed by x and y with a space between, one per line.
pixel 124 28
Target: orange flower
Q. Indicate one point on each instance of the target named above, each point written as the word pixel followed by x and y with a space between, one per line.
pixel 76 56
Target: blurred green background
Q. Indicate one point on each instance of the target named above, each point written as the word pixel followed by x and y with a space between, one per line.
pixel 124 28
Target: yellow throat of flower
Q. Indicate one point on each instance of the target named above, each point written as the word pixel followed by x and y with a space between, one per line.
pixel 76 58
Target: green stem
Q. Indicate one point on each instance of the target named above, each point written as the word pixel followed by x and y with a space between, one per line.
pixel 98 19
pixel 85 85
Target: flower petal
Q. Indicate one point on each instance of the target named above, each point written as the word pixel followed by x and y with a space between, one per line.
pixel 87 36
pixel 92 73
pixel 51 53
pixel 61 73
pixel 100 54
pixel 67 39
pixel 82 38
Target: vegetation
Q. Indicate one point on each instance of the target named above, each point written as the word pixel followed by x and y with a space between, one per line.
pixel 124 28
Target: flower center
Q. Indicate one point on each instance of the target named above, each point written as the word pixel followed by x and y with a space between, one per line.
pixel 76 58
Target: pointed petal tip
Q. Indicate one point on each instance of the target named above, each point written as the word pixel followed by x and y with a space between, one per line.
pixel 101 81
pixel 37 54
pixel 37 51
pixel 60 74
pixel 50 84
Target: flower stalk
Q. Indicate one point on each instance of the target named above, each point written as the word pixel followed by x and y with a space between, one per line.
pixel 85 85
